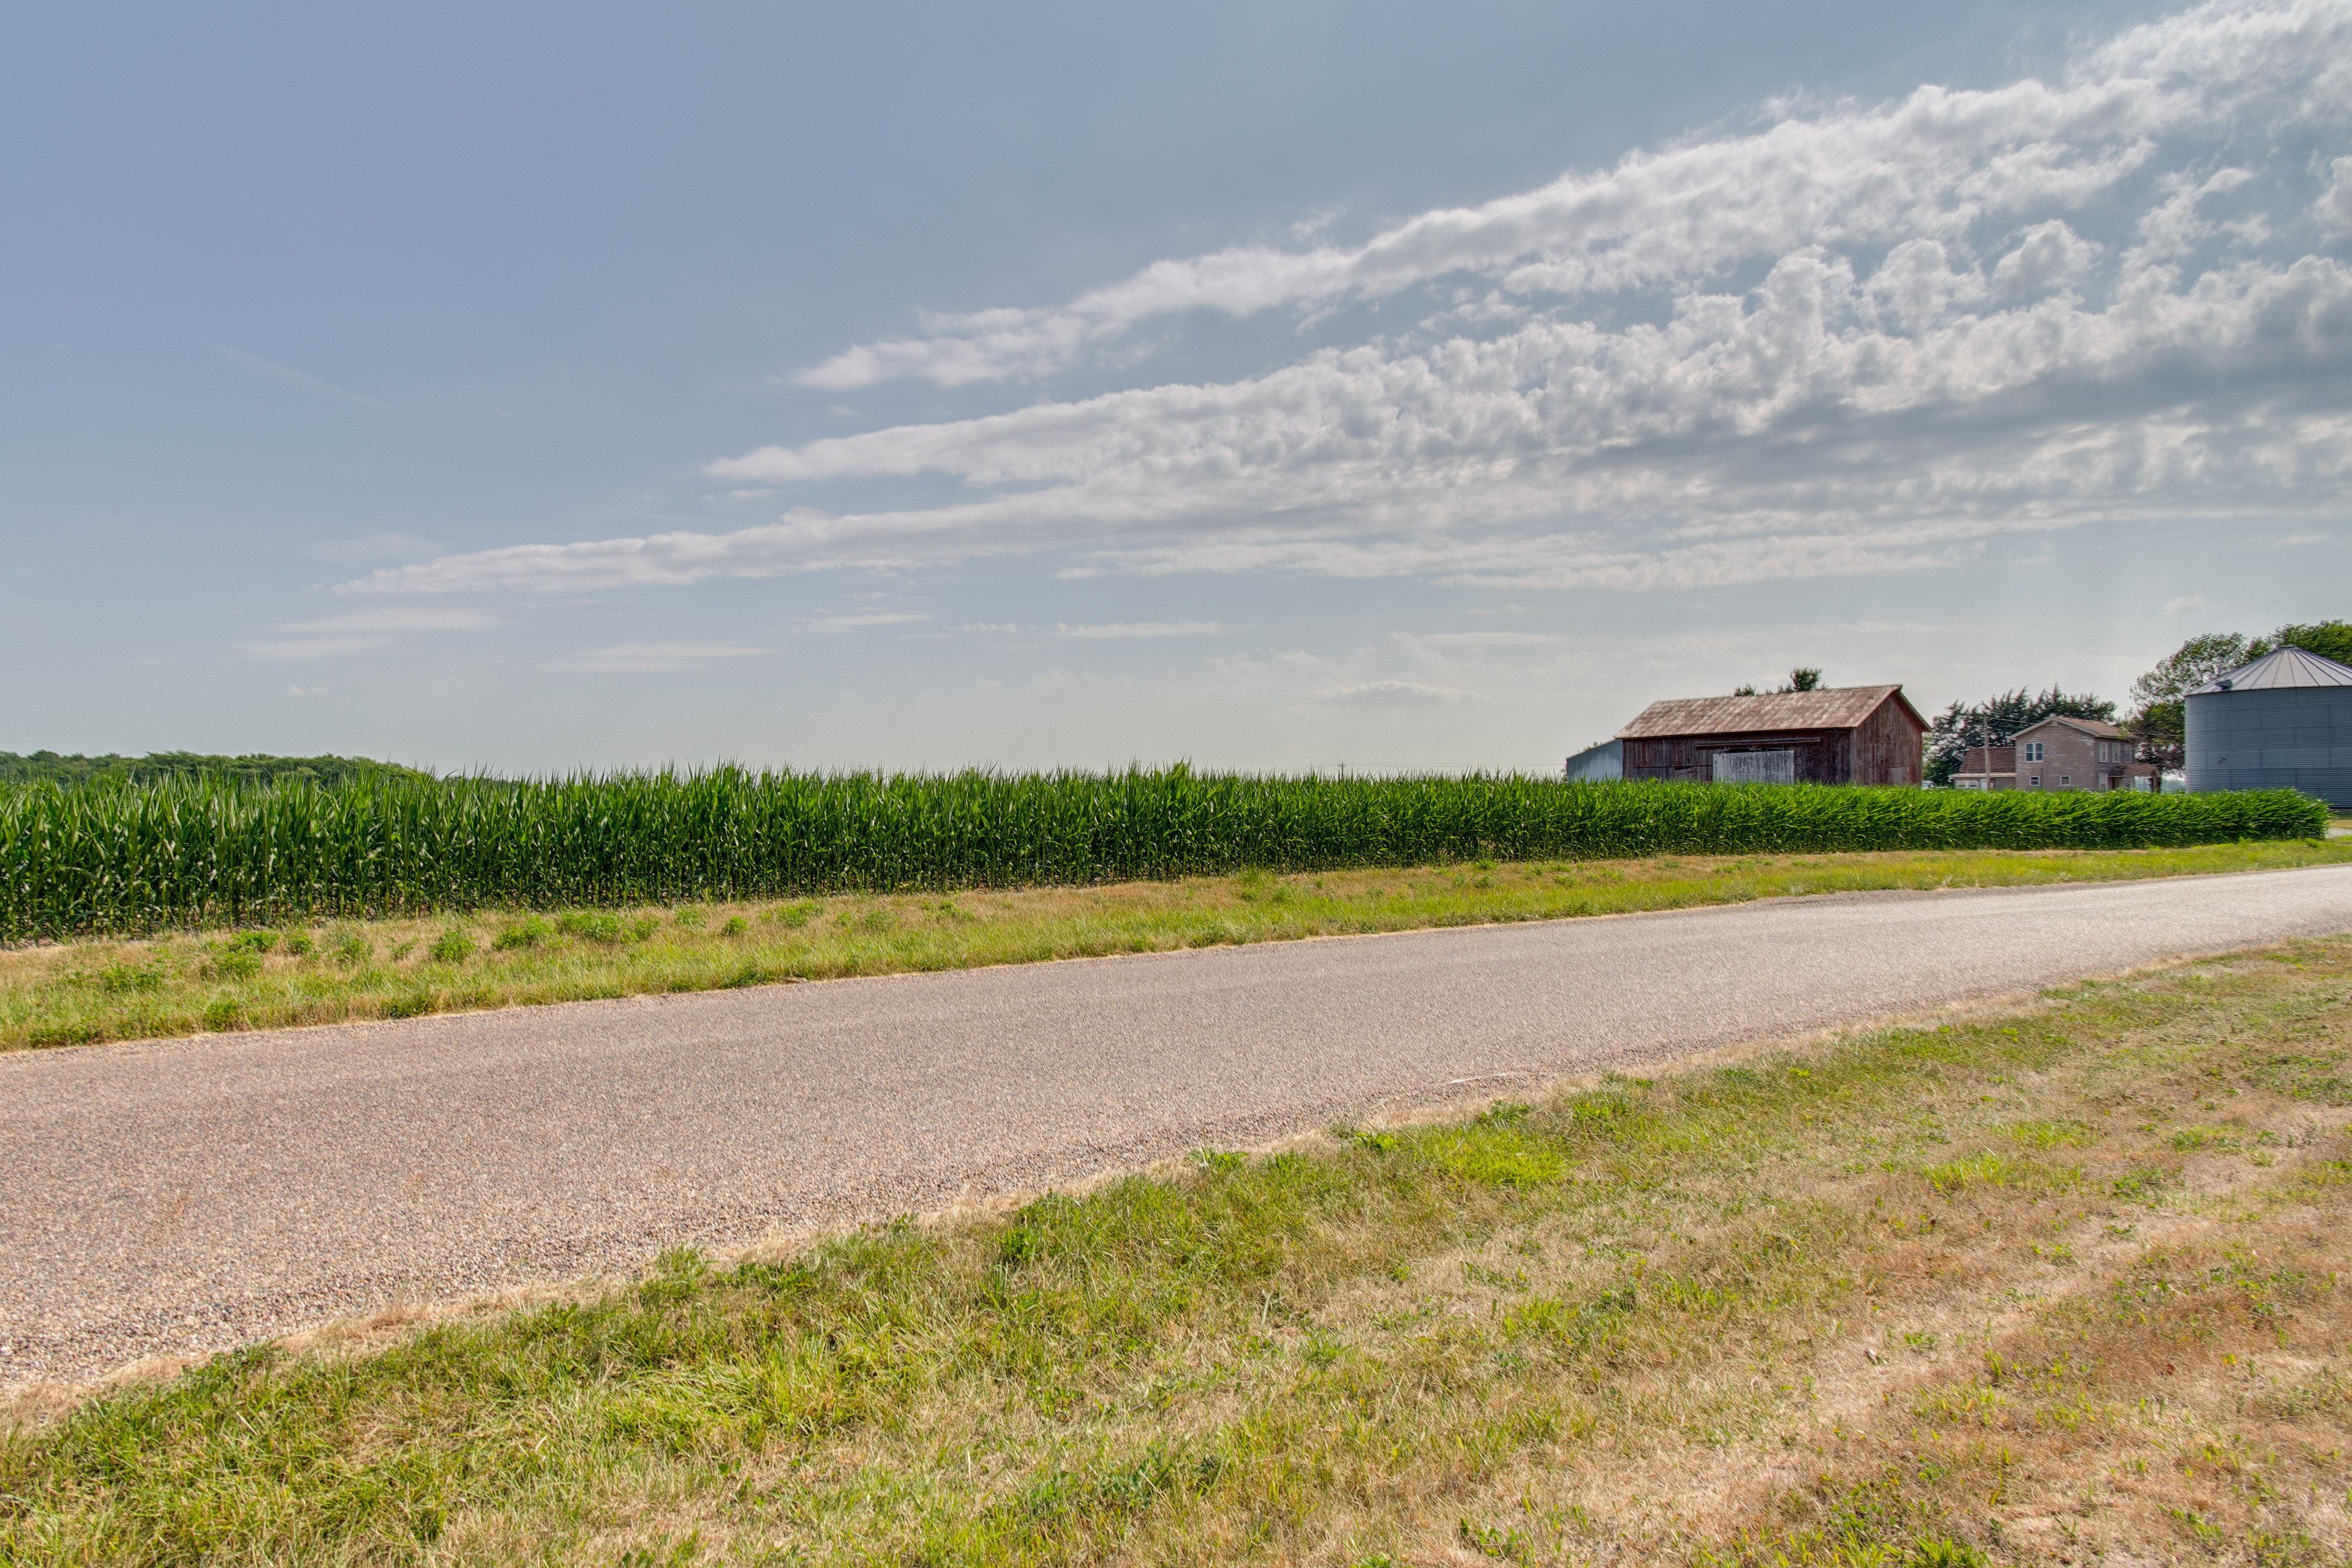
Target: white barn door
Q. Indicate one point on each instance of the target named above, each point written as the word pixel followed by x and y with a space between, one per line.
pixel 1755 767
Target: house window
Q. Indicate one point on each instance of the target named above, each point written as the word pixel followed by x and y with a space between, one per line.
pixel 2037 781
pixel 2066 780
pixel 2033 753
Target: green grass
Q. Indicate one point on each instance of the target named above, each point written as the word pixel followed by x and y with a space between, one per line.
pixel 1600 1324
pixel 315 974
pixel 195 852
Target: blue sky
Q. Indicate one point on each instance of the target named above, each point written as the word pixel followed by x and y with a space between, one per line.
pixel 1274 385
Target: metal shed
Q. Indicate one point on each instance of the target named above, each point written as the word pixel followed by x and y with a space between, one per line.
pixel 2285 720
pixel 1601 764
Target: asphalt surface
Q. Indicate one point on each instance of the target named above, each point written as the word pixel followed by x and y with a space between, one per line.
pixel 197 1193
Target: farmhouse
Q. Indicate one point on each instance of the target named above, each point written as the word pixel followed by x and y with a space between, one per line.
pixel 2060 752
pixel 1835 736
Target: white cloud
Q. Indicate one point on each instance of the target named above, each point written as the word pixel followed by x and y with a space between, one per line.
pixel 1144 629
pixel 2049 256
pixel 298 379
pixel 2333 210
pixel 633 655
pixel 1397 694
pixel 1859 340
pixel 681 556
pixel 2187 605
pixel 311 648
pixel 858 620
pixel 363 630
pixel 1932 165
pixel 306 691
pixel 2178 225
pixel 1480 639
pixel 375 547
pixel 396 619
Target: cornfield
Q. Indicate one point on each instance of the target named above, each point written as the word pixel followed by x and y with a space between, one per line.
pixel 115 858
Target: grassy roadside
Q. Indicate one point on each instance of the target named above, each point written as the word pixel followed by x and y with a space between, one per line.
pixel 2034 1287
pixel 92 991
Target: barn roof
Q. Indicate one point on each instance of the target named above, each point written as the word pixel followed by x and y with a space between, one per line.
pixel 2290 665
pixel 1831 707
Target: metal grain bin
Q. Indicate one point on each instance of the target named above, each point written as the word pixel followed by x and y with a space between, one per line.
pixel 2285 720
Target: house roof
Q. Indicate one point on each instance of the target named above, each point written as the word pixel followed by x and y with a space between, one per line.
pixel 2288 666
pixel 2099 727
pixel 2001 759
pixel 1831 707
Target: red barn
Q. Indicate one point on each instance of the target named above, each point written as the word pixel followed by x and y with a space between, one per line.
pixel 1837 735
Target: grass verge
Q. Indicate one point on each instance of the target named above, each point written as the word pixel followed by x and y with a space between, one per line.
pixel 92 991
pixel 2044 1286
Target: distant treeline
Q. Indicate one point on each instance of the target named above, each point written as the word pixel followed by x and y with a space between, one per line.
pixel 204 851
pixel 156 767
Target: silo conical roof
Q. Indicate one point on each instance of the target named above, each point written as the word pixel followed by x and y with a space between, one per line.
pixel 2289 667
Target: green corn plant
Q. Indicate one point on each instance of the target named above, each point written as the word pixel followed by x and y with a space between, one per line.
pixel 121 858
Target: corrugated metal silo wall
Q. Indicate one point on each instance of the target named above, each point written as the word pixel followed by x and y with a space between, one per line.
pixel 2298 736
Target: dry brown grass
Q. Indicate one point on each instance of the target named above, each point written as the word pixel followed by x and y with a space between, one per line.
pixel 2181 1396
pixel 2035 1370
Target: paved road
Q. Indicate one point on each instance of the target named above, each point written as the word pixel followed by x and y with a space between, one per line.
pixel 192 1193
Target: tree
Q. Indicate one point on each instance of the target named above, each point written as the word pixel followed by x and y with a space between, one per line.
pixel 2158 722
pixel 1993 722
pixel 2328 639
pixel 50 767
pixel 1801 678
pixel 2160 719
